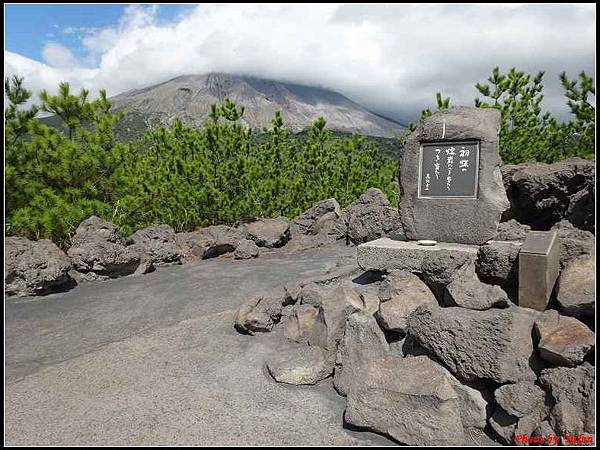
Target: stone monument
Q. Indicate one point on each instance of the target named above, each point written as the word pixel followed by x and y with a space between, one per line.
pixel 451 179
pixel 452 191
pixel 453 197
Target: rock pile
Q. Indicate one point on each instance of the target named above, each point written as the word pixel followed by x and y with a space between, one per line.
pixel 370 217
pixel 99 252
pixel 442 356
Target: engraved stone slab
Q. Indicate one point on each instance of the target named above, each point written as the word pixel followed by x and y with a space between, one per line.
pixel 450 176
pixel 538 268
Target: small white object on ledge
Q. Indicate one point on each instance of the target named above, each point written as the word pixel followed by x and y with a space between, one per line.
pixel 426 242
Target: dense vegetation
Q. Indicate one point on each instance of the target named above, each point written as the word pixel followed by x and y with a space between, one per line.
pixel 526 133
pixel 223 172
pixel 182 176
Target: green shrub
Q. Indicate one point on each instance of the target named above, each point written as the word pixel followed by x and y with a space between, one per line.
pixel 218 174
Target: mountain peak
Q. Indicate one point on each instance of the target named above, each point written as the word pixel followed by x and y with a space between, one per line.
pixel 189 98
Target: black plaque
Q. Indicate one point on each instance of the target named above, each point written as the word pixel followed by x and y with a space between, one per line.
pixel 449 169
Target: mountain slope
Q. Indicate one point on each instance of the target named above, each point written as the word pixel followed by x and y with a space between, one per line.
pixel 189 98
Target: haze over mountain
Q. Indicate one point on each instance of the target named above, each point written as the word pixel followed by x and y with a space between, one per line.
pixel 189 98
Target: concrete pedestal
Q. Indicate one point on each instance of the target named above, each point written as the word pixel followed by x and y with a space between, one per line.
pixel 386 254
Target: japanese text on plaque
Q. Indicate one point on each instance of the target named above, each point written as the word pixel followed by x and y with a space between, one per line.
pixel 449 169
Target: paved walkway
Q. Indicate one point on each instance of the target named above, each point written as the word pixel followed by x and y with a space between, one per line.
pixel 154 360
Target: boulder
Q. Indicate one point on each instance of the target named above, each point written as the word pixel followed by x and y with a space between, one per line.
pixel 208 242
pixel 303 365
pixel 498 263
pixel 573 242
pixel 438 269
pixel 400 293
pixel 270 233
pixel 319 218
pixel 337 301
pixel 563 341
pixel 520 410
pixel 246 249
pixel 362 342
pixel 95 229
pixel 478 345
pixel 371 217
pixel 98 252
pixel 306 324
pixel 34 267
pixel 258 314
pixel 416 402
pixel 102 260
pixel 581 209
pixel 467 291
pixel 575 293
pixel 504 425
pixel 573 395
pixel 521 399
pixel 156 243
pixel 512 230
pixel 541 194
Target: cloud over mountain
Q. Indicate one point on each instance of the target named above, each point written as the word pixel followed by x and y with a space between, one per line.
pixel 189 98
pixel 390 58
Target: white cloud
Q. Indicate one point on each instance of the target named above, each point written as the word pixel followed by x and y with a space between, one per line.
pixel 392 58
pixel 40 76
pixel 57 55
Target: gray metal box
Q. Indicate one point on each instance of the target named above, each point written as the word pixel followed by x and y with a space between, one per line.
pixel 538 268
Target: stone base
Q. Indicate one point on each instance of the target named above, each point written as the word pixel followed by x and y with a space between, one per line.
pixel 386 254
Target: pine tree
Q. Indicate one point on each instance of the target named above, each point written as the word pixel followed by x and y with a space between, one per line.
pixel 54 181
pixel 71 109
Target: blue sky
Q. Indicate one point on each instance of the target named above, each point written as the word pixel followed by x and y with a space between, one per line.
pixel 391 58
pixel 29 27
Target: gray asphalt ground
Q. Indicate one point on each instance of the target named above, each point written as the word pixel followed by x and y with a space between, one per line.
pixel 154 360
